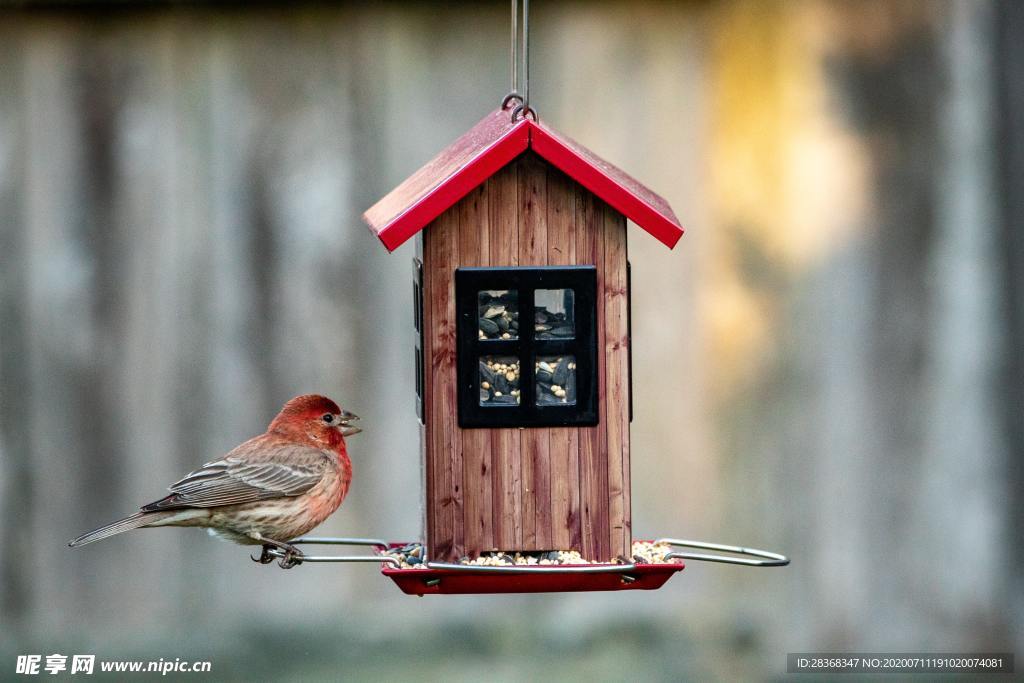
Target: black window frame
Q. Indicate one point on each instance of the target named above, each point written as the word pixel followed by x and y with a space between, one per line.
pixel 526 347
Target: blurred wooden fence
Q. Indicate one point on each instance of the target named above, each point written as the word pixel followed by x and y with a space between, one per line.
pixel 818 363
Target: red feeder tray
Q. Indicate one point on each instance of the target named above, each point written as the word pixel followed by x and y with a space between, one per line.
pixel 454 579
pixel 470 579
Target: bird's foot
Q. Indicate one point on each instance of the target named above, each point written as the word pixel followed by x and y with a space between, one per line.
pixel 265 556
pixel 289 554
pixel 292 557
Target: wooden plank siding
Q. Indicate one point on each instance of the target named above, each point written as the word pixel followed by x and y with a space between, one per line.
pixel 563 443
pixel 444 443
pixel 616 387
pixel 594 499
pixel 503 221
pixel 537 488
pixel 429 400
pixel 533 251
pixel 477 449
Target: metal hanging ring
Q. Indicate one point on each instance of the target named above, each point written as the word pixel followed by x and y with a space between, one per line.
pixel 510 98
pixel 522 111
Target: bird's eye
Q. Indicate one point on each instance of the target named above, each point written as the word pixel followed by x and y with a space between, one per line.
pixel 328 418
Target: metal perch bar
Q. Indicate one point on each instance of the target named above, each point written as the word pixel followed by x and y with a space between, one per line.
pixel 763 558
pixel 332 540
pixel 338 558
pixel 768 559
pixel 314 540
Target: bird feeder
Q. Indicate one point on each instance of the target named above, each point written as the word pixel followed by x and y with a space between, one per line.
pixel 523 364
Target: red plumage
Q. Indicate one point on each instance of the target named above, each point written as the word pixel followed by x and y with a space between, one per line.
pixel 268 490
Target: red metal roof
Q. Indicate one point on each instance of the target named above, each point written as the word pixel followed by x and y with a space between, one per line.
pixel 485 149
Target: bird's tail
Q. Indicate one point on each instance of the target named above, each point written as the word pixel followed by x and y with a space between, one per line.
pixel 127 524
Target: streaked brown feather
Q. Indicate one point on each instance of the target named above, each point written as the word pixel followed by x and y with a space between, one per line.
pixel 246 475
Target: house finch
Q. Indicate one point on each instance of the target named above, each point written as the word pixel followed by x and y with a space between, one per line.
pixel 266 491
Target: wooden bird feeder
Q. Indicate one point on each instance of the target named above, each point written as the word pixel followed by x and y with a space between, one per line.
pixel 523 368
pixel 522 299
pixel 523 363
pixel 523 359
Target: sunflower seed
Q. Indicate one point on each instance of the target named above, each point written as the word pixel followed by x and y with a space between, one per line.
pixel 485 373
pixel 488 327
pixel 494 311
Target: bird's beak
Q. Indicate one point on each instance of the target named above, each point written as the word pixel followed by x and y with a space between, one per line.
pixel 344 423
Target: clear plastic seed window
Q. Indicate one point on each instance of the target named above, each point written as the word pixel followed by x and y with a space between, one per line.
pixel 555 380
pixel 553 314
pixel 498 314
pixel 499 380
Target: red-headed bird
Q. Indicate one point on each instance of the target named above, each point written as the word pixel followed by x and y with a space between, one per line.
pixel 266 491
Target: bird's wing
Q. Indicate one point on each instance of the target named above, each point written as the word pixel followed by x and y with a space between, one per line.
pixel 285 471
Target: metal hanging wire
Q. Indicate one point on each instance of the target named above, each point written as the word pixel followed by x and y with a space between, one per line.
pixel 513 94
pixel 517 59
